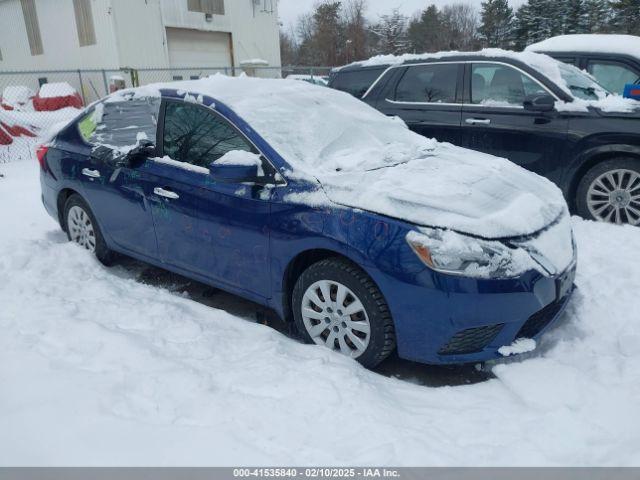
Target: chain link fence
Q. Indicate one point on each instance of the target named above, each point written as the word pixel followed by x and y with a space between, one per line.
pixel 33 102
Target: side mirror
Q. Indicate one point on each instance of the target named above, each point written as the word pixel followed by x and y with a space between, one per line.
pixel 539 102
pixel 137 155
pixel 144 149
pixel 229 173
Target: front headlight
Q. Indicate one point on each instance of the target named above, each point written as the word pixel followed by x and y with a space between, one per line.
pixel 457 254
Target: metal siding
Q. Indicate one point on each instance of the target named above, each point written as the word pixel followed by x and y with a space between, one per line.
pixel 129 33
pixel 60 42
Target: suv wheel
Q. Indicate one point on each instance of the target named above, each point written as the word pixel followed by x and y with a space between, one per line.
pixel 610 192
pixel 83 229
pixel 337 305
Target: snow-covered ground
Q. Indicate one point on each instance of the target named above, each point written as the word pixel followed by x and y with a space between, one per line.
pixel 115 367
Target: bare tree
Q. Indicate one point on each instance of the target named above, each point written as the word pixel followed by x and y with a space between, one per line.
pixel 354 20
pixel 460 21
pixel 392 33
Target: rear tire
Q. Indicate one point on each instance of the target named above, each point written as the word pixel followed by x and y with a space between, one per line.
pixel 610 192
pixel 82 228
pixel 337 305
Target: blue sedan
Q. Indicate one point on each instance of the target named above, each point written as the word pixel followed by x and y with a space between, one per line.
pixel 364 234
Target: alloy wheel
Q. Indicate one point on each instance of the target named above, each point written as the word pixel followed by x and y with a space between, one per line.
pixel 81 228
pixel 336 318
pixel 614 197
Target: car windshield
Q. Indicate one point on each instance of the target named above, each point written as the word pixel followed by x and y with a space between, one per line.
pixel 581 85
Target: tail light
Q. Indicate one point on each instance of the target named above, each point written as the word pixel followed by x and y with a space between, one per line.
pixel 41 152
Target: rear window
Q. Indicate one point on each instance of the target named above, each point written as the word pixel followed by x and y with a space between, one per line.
pixel 356 82
pixel 428 84
pixel 121 124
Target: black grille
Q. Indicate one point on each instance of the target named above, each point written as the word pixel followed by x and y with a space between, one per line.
pixel 471 340
pixel 539 320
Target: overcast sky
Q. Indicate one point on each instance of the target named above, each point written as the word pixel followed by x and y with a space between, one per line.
pixel 290 10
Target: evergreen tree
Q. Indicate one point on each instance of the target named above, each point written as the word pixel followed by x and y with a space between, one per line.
pixel 626 16
pixel 426 32
pixel 328 33
pixel 496 23
pixel 597 16
pixel 574 17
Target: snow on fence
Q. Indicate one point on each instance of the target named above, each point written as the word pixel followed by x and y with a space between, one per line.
pixel 31 102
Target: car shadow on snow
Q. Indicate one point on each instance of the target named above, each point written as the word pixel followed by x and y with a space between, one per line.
pixel 426 375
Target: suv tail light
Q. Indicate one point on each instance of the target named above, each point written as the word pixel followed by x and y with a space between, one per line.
pixel 41 152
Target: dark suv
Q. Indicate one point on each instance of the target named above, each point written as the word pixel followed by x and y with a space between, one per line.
pixel 542 114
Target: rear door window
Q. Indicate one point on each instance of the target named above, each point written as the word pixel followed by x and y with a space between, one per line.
pixel 428 84
pixel 356 82
pixel 119 125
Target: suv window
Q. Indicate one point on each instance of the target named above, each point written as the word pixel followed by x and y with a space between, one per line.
pixel 428 84
pixel 122 123
pixel 194 135
pixel 356 82
pixel 612 75
pixel 501 85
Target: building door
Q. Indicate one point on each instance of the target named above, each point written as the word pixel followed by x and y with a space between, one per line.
pixel 195 48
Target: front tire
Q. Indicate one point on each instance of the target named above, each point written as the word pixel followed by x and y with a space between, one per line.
pixel 610 192
pixel 337 305
pixel 82 228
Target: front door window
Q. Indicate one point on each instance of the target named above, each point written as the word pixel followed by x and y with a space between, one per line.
pixel 501 85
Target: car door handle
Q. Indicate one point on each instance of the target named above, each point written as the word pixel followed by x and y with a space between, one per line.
pixel 478 121
pixel 87 172
pixel 161 192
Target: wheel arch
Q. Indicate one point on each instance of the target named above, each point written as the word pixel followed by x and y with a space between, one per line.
pixel 63 196
pixel 591 160
pixel 298 264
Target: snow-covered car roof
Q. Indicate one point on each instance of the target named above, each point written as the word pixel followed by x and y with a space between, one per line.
pixel 543 63
pixel 559 73
pixel 593 43
pixel 355 156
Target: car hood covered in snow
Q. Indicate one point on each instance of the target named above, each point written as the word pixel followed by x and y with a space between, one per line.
pixel 355 156
pixel 453 188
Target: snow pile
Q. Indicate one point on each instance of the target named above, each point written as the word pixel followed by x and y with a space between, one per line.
pixel 613 103
pixel 97 368
pixel 519 346
pixel 17 97
pixel 254 61
pixel 241 158
pixel 591 43
pixel 57 89
pixel 21 131
pixel 364 159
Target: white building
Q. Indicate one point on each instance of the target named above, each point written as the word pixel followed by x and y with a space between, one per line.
pixel 159 34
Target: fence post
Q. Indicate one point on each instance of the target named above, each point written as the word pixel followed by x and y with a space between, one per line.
pixel 312 74
pixel 84 98
pixel 106 84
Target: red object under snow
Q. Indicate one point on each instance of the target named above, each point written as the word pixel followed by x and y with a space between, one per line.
pixel 5 138
pixel 17 130
pixel 49 104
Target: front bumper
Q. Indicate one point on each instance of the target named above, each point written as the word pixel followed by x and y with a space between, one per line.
pixel 453 320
